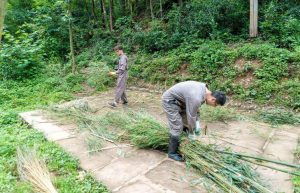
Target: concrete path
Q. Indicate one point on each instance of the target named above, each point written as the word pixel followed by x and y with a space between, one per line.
pixel 124 169
pixel 130 170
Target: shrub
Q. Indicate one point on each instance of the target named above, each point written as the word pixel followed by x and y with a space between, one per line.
pixel 99 78
pixel 280 23
pixel 20 57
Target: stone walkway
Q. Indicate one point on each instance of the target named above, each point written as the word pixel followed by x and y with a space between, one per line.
pixel 125 169
pixel 122 170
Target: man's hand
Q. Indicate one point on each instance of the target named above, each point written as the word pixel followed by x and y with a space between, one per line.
pixel 192 137
pixel 198 128
pixel 197 131
pixel 112 73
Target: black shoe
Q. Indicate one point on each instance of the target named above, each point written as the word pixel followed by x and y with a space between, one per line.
pixel 186 130
pixel 125 102
pixel 176 157
pixel 173 148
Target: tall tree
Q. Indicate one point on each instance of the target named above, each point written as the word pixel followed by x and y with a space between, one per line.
pixel 122 4
pixel 72 53
pixel 130 5
pixel 111 15
pixel 180 3
pixel 104 16
pixel 87 9
pixel 160 9
pixel 93 12
pixel 151 9
pixel 2 16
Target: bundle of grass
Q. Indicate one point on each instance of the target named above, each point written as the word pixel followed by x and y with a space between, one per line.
pixel 34 171
pixel 229 170
pixel 141 130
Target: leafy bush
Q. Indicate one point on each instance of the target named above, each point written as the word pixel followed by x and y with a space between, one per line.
pixel 74 79
pixel 208 60
pixel 280 22
pixel 99 77
pixel 289 93
pixel 278 117
pixel 203 19
pixel 20 57
pixel 211 114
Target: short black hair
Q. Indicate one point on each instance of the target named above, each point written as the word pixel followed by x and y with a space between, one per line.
pixel 220 97
pixel 118 47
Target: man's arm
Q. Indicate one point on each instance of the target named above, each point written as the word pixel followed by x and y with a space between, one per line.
pixel 192 107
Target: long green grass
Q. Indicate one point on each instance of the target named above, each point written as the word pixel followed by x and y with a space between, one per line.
pixel 16 97
pixel 229 172
pixel 278 117
pixel 296 179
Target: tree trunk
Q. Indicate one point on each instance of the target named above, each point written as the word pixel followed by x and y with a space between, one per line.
pixel 122 7
pixel 151 9
pixel 253 29
pixel 2 16
pixel 111 15
pixel 161 9
pixel 180 3
pixel 104 13
pixel 87 9
pixel 71 41
pixel 131 7
pixel 93 11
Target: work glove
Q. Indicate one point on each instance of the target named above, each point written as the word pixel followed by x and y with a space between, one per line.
pixel 112 73
pixel 198 128
pixel 192 136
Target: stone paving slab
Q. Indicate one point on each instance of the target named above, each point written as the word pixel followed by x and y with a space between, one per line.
pixel 143 185
pixel 88 162
pixel 281 147
pixel 124 169
pixel 175 177
pixel 139 187
pixel 51 131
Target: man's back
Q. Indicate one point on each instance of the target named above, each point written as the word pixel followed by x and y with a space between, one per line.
pixel 192 90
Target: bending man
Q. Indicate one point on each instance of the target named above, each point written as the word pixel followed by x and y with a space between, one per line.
pixel 181 104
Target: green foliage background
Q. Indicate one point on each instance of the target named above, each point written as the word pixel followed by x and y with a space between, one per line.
pixel 203 40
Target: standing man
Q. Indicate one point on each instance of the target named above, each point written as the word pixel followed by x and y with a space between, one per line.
pixel 122 73
pixel 181 104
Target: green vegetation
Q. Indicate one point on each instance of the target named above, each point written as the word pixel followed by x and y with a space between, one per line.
pixel 167 41
pixel 185 40
pixel 278 117
pixel 66 169
pixel 265 67
pixel 31 94
pixel 211 114
pixel 296 180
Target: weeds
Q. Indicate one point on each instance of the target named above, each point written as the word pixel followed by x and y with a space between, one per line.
pixel 296 179
pixel 65 167
pixel 26 95
pixel 211 114
pixel 278 117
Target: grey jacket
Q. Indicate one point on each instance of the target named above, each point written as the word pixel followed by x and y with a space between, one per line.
pixel 122 65
pixel 190 95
